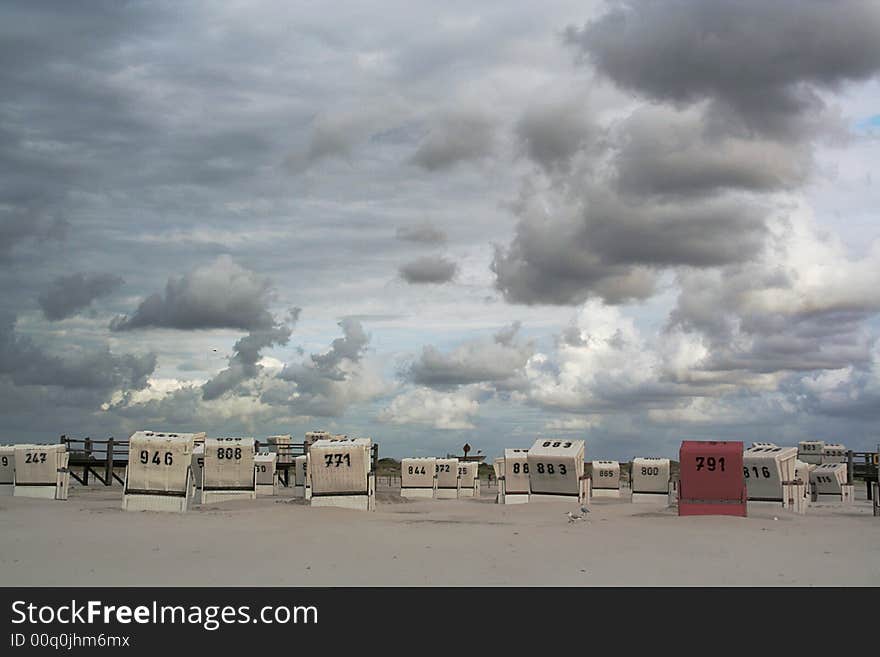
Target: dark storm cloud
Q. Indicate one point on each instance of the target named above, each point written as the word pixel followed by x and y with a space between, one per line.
pixel 500 361
pixel 552 133
pixel 243 363
pixel 61 119
pixel 67 295
pixel 852 397
pixel 612 247
pixel 325 366
pixel 351 346
pixel 670 188
pixel 424 233
pixel 222 157
pixel 33 196
pixel 456 137
pixel 323 384
pixel 183 409
pixel 664 152
pixel 26 217
pixel 331 136
pixel 221 294
pixel 613 396
pixel 762 61
pixel 700 235
pixel 801 343
pixel 535 270
pixel 27 364
pixel 848 406
pixel 162 144
pixel 336 134
pixel 829 335
pixel 429 269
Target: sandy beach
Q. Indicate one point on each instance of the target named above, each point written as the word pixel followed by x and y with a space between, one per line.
pixel 89 540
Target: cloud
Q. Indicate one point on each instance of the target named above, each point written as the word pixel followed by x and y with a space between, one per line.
pixel 254 391
pixel 349 347
pixel 660 151
pixel 763 63
pixel 610 247
pixel 333 135
pixel 572 424
pixel 326 384
pixel 661 169
pixel 61 119
pixel 244 363
pixel 67 295
pixel 183 407
pixel 441 410
pixel 693 180
pixel 801 306
pixel 424 233
pixel 18 224
pixel 221 294
pixel 552 133
pixel 851 393
pixel 428 269
pixel 499 361
pixel 507 335
pixel 454 138
pixel 786 335
pixel 25 363
pixel 610 362
pixel 608 370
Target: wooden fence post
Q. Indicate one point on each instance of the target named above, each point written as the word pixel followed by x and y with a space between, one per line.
pixel 108 464
pixel 88 448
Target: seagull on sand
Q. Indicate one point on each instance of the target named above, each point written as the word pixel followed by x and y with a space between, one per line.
pixel 578 516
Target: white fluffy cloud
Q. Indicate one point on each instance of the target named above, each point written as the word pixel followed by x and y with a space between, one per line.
pixel 608 355
pixel 440 410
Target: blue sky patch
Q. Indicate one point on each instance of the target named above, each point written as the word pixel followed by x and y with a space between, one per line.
pixel 870 125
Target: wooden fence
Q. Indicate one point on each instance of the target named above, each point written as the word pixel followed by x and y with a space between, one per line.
pixel 99 459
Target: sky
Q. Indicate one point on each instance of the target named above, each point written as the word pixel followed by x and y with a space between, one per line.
pixel 435 223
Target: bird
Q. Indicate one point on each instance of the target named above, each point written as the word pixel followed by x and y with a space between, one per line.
pixel 572 517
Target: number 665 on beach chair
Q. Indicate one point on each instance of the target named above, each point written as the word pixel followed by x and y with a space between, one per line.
pixel 606 478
